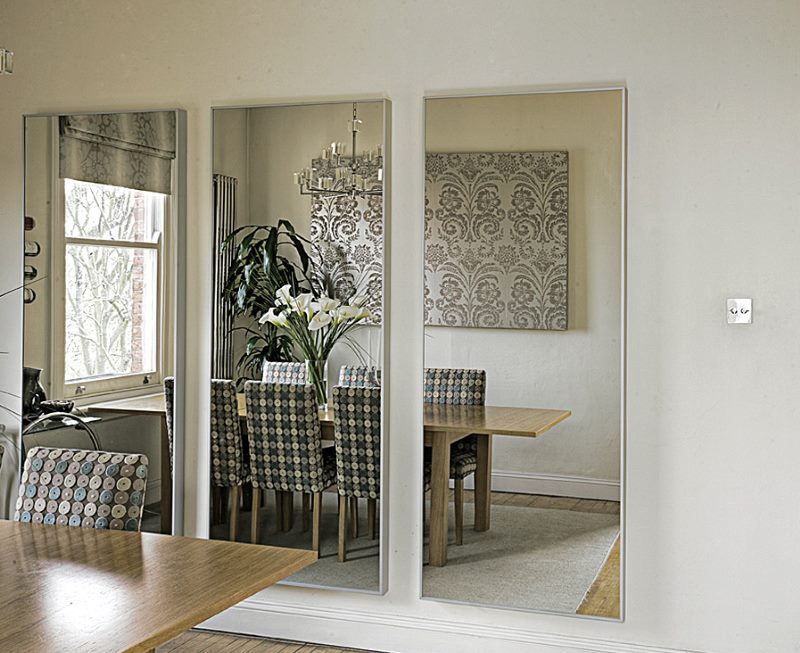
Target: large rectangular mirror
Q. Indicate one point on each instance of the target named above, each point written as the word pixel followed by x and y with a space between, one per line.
pixel 298 358
pixel 103 263
pixel 524 306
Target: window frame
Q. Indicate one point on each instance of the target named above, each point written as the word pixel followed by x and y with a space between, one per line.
pixel 121 384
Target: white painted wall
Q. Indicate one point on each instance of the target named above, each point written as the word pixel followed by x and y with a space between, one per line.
pixel 711 560
pixel 577 369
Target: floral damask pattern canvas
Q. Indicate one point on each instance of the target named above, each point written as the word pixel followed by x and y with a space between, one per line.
pixel 348 235
pixel 496 239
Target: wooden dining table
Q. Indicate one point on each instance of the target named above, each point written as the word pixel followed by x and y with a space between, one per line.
pixel 443 424
pixel 94 591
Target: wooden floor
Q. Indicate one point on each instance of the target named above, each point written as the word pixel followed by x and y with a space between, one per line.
pixel 602 599
pixel 205 642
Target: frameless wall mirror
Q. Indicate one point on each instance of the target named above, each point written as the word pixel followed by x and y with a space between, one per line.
pixel 297 400
pixel 103 265
pixel 524 264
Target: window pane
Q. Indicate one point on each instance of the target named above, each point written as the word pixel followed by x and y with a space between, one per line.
pixel 111 212
pixel 111 311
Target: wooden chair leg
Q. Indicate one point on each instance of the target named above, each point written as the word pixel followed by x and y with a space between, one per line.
pixel 254 516
pixel 459 504
pixel 306 510
pixel 353 517
pixel 233 511
pixel 317 521
pixel 288 511
pixel 278 511
pixel 342 528
pixel 372 515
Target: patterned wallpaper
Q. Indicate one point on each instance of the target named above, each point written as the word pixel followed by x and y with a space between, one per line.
pixel 348 234
pixel 496 239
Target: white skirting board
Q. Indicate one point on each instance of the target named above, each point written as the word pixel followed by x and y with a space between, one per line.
pixel 402 633
pixel 551 484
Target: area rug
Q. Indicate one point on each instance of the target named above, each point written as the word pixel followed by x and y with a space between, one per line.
pixel 531 558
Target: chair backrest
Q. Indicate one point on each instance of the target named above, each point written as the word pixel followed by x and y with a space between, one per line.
pixel 357 434
pixel 77 487
pixel 227 457
pixel 359 376
pixel 169 401
pixel 462 387
pixel 285 437
pixel 284 373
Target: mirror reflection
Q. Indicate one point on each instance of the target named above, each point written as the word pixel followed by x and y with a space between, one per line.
pixel 297 351
pixel 523 265
pixel 99 320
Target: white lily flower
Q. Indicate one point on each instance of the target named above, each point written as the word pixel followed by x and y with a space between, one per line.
pixel 319 320
pixel 358 300
pixel 348 312
pixel 284 295
pixel 273 317
pixel 328 304
pixel 364 314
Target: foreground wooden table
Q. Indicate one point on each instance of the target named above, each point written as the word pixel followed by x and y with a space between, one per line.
pixel 445 424
pixel 85 590
pixel 155 405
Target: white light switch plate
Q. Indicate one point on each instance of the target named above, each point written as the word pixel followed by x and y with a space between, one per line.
pixel 740 311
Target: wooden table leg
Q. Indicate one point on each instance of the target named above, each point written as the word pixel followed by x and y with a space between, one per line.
pixel 166 480
pixel 440 481
pixel 483 484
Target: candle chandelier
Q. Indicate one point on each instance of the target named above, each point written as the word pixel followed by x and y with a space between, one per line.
pixel 337 174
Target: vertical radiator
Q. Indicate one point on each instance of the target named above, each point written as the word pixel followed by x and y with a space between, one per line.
pixel 224 224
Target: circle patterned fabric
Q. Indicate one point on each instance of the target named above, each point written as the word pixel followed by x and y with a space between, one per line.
pixel 90 489
pixel 227 457
pixel 359 376
pixel 460 387
pixel 169 401
pixel 285 373
pixel 285 438
pixel 357 435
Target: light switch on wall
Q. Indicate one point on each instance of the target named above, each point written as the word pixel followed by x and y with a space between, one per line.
pixel 740 311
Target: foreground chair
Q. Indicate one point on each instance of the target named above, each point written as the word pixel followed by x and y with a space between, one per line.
pixel 227 459
pixel 462 387
pixel 77 487
pixel 286 453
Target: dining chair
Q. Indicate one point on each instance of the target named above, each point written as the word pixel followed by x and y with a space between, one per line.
pixel 357 439
pixel 284 373
pixel 228 470
pixel 79 487
pixel 169 402
pixel 286 453
pixel 359 376
pixel 461 387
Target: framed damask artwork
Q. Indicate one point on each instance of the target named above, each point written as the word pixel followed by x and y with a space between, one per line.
pixel 496 227
pixel 347 233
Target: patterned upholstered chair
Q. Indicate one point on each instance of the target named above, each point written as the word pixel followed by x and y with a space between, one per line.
pixel 462 387
pixel 76 487
pixel 284 373
pixel 169 401
pixel 357 436
pixel 228 469
pixel 359 376
pixel 286 453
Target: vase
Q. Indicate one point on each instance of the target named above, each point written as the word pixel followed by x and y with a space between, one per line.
pixel 317 376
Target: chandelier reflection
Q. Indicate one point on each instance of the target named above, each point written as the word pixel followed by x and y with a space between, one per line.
pixel 337 174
